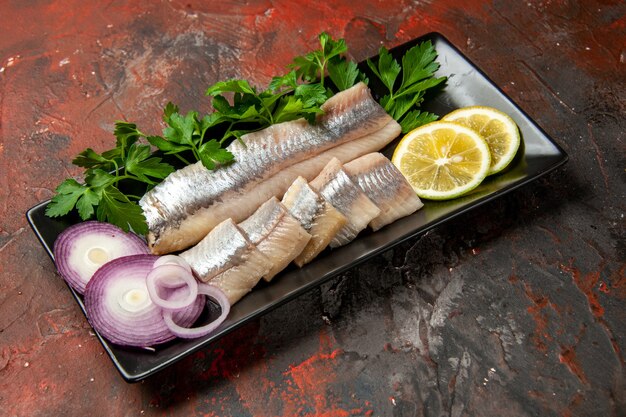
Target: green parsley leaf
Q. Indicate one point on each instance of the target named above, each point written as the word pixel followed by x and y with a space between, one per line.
pixel 67 193
pixel 86 202
pixel 311 95
pixel 289 81
pixel 212 154
pixel 181 128
pixel 268 105
pixel 230 86
pixel 143 166
pixel 116 208
pixel 403 104
pixel 90 159
pixel 288 108
pixel 306 67
pixel 387 69
pixel 165 145
pixel 415 119
pixel 343 73
pixel 153 167
pixel 242 108
pixel 330 47
pixel 126 134
pixel 136 153
pixel 419 63
pixel 170 108
pixel 419 88
pixel 98 179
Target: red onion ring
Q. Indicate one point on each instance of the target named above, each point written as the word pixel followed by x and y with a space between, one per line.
pixel 84 247
pixel 172 260
pixel 191 333
pixel 119 307
pixel 171 276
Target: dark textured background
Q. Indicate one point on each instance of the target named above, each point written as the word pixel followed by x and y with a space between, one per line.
pixel 515 309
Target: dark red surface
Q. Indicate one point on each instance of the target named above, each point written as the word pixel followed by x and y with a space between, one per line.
pixel 516 309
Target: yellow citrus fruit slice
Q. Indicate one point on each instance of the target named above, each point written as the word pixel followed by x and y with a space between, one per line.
pixel 442 160
pixel 498 129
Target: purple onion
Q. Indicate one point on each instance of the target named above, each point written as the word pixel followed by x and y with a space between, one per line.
pixel 191 333
pixel 172 260
pixel 119 306
pixel 171 276
pixel 84 247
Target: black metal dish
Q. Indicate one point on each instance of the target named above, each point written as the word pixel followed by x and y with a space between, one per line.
pixel 467 85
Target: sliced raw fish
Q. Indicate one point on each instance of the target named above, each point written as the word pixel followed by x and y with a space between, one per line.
pixel 240 205
pixel 385 185
pixel 276 234
pixel 334 184
pixel 227 259
pixel 191 201
pixel 317 216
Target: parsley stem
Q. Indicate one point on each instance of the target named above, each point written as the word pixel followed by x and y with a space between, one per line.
pixel 196 154
pixel 227 133
pixel 136 197
pixel 402 93
pixel 183 160
pixel 321 65
pixel 269 113
pixel 117 168
pixel 128 176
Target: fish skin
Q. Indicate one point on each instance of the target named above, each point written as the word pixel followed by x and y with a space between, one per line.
pixel 227 259
pixel 334 184
pixel 385 185
pixel 242 204
pixel 276 234
pixel 317 216
pixel 182 209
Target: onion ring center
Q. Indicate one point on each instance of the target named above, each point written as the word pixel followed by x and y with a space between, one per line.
pixel 97 256
pixel 134 300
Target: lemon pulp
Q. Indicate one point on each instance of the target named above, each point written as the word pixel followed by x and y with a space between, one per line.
pixel 442 160
pixel 497 128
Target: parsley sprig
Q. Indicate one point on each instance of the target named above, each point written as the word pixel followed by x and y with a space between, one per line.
pixel 312 67
pixel 298 93
pixel 407 92
pixel 115 180
pixel 100 193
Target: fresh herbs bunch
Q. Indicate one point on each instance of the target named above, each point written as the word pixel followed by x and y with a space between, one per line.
pixel 238 109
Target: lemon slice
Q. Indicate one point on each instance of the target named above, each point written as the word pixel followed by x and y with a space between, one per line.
pixel 442 160
pixel 498 129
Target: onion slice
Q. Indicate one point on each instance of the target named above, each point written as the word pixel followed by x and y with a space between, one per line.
pixel 119 307
pixel 192 333
pixel 171 276
pixel 84 247
pixel 172 260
